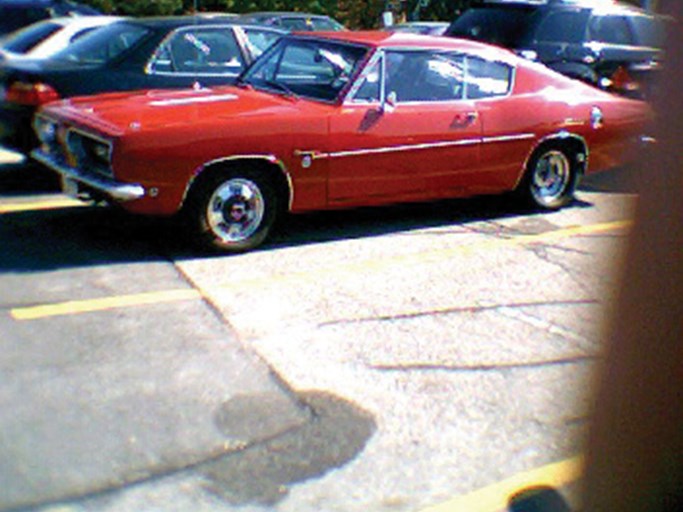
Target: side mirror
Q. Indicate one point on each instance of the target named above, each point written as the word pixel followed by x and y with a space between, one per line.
pixel 389 102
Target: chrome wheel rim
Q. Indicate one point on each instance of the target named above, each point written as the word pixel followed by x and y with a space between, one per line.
pixel 551 177
pixel 235 210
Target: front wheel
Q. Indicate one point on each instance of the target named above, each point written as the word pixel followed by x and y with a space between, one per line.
pixel 234 212
pixel 551 179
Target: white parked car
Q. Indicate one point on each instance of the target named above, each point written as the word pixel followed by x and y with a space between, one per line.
pixel 43 39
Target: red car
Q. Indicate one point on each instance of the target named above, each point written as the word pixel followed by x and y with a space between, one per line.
pixel 340 120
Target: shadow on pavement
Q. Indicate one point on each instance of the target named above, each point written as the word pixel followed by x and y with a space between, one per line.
pixel 262 474
pixel 87 236
pixel 22 178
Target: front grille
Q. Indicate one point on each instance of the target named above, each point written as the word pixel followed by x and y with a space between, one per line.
pixel 73 147
pixel 88 152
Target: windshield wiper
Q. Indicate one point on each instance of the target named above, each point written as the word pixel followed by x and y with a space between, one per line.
pixel 242 83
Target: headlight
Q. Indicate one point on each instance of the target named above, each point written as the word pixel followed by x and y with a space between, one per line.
pixel 89 151
pixel 99 152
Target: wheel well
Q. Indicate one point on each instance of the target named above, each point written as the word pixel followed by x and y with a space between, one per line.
pixel 273 172
pixel 575 146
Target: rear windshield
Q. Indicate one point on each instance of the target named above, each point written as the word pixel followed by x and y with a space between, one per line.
pixel 15 17
pixel 28 38
pixel 105 44
pixel 504 26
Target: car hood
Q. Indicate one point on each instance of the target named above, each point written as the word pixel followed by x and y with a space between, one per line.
pixel 119 113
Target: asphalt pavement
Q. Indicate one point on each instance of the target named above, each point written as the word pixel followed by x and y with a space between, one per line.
pixel 387 360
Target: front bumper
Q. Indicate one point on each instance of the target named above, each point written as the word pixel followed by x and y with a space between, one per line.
pixel 92 182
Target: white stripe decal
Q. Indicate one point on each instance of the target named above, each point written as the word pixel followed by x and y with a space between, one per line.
pixel 192 100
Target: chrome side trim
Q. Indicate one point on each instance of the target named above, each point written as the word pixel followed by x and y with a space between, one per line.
pixel 112 188
pixel 508 138
pixel 272 159
pixel 397 149
pixel 414 147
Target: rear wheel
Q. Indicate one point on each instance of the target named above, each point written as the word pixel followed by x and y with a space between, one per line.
pixel 551 178
pixel 233 211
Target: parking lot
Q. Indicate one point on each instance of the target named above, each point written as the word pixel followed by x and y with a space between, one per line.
pixel 392 359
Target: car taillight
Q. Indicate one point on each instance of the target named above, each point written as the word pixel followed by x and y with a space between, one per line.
pixel 622 80
pixel 34 94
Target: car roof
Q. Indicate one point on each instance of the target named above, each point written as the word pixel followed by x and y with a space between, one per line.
pixel 380 38
pixel 171 22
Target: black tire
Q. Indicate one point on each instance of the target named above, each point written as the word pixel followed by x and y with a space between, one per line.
pixel 233 211
pixel 550 179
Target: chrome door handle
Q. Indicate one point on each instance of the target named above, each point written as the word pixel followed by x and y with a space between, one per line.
pixel 464 120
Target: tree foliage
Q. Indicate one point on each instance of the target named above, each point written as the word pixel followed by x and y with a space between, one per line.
pixel 355 14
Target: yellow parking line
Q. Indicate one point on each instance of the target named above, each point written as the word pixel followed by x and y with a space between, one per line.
pixel 48 204
pixel 90 305
pixel 102 304
pixel 495 497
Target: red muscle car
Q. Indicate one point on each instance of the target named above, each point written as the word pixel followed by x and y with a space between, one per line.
pixel 339 120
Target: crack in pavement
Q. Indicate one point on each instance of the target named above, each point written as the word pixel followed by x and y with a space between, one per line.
pixel 480 308
pixel 483 367
pixel 541 251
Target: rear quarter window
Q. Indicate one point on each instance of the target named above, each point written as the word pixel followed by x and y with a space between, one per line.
pixel 487 79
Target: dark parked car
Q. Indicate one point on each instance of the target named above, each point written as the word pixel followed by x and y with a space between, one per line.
pixel 610 44
pixel 127 55
pixel 15 14
pixel 294 21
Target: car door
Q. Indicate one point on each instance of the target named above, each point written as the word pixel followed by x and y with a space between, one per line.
pixel 406 132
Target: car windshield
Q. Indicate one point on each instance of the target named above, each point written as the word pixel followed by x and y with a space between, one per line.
pixel 28 38
pixel 504 26
pixel 314 69
pixel 101 46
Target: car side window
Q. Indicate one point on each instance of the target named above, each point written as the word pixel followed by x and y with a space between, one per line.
pixel 610 29
pixel 487 79
pixel 208 51
pixel 562 27
pixel 434 76
pixel 424 76
pixel 80 34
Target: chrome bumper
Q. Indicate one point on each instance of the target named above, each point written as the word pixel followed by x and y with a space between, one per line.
pixel 112 188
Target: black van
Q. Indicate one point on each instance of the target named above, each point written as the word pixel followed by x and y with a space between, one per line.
pixel 608 44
